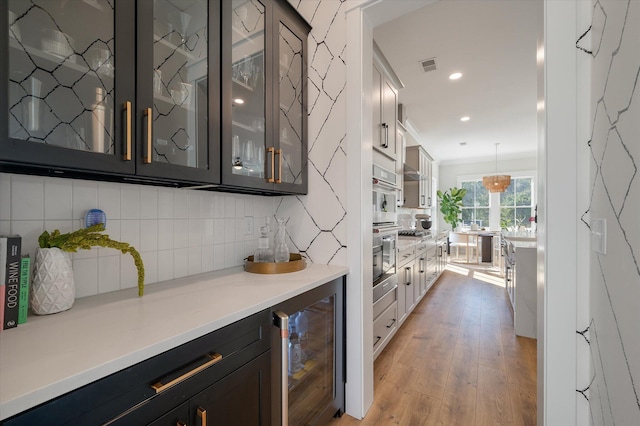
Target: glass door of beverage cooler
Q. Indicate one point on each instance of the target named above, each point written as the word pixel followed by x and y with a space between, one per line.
pixel 309 370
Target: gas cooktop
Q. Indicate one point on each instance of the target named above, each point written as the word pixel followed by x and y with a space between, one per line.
pixel 412 233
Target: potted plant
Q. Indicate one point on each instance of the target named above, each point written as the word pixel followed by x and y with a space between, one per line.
pixel 53 288
pixel 451 205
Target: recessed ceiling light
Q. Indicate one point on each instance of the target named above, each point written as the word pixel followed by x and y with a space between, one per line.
pixel 463 144
pixel 455 76
pixel 238 101
pixel 465 118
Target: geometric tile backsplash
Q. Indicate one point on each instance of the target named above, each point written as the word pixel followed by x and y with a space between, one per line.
pixel 178 232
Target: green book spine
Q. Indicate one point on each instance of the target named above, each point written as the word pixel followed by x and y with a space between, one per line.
pixel 23 305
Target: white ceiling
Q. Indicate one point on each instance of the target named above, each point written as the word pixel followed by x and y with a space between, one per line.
pixel 493 43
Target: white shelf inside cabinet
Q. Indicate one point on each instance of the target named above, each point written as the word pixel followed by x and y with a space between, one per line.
pixel 73 62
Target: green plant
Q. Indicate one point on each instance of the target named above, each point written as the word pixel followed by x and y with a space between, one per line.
pixel 451 205
pixel 91 237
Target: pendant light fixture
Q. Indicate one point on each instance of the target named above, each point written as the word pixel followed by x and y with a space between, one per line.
pixel 496 183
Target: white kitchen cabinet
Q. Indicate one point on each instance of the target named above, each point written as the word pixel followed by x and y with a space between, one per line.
pixel 521 285
pixel 441 252
pixel 401 140
pixel 406 299
pixel 421 269
pixel 417 178
pixel 385 113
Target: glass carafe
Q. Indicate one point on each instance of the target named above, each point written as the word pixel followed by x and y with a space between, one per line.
pixel 280 242
pixel 264 253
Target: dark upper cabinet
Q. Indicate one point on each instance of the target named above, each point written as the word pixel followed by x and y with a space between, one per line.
pixel 65 84
pixel 264 98
pixel 178 110
pixel 164 91
pixel 127 95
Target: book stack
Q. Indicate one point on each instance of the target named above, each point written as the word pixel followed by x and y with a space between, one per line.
pixel 14 282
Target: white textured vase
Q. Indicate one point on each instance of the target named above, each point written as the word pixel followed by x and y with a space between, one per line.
pixel 52 289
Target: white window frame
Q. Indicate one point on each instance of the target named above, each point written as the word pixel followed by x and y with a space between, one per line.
pixel 494 197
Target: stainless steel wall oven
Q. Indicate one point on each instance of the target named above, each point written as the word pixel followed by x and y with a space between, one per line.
pixel 384 261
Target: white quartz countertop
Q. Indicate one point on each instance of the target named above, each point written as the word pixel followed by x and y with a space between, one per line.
pixel 51 355
pixel 519 236
pixel 523 244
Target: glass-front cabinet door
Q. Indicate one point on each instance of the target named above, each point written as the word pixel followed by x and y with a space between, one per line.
pixel 178 111
pixel 247 151
pixel 292 114
pixel 264 142
pixel 69 84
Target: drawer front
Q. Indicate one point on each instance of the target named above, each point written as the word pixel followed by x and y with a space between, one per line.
pixel 406 255
pixel 111 399
pixel 381 305
pixel 384 325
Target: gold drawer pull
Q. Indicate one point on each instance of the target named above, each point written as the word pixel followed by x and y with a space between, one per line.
pixel 161 387
pixel 272 150
pixel 148 112
pixel 127 130
pixel 202 415
pixel 279 153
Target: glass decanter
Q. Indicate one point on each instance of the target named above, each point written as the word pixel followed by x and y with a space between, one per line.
pixel 264 253
pixel 281 250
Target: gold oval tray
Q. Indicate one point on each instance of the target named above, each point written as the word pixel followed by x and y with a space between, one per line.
pixel 296 263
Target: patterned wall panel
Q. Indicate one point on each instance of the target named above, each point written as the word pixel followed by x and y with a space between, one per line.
pixel 612 334
pixel 316 223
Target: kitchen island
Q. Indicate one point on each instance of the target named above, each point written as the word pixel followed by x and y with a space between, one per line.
pixel 51 355
pixel 520 257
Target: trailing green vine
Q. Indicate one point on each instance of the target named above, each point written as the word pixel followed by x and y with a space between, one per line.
pixel 87 238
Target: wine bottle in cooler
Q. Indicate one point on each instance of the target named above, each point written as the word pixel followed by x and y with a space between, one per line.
pixel 295 353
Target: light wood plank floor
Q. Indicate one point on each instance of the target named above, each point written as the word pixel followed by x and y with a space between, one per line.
pixel 456 361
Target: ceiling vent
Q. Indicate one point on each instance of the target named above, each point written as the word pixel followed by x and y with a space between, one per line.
pixel 428 64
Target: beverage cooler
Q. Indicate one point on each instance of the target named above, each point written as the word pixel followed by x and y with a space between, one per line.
pixel 308 357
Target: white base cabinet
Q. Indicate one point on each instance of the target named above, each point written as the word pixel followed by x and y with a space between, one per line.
pixel 521 284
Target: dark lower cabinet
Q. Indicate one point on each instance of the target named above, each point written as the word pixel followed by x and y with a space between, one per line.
pixel 226 373
pixel 233 376
pixel 175 417
pixel 241 398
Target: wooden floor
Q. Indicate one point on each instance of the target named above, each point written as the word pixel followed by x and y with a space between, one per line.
pixel 456 361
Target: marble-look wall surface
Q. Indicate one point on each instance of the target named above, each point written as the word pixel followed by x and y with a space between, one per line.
pixel 612 334
pixel 316 222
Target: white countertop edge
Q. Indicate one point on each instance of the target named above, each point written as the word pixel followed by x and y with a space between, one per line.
pixel 27 379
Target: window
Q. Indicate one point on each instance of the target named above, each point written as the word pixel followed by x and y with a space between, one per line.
pixel 516 203
pixel 475 204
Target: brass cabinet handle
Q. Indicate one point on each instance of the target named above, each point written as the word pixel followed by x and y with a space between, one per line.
pixel 161 387
pixel 272 150
pixel 202 415
pixel 127 131
pixel 279 180
pixel 149 114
